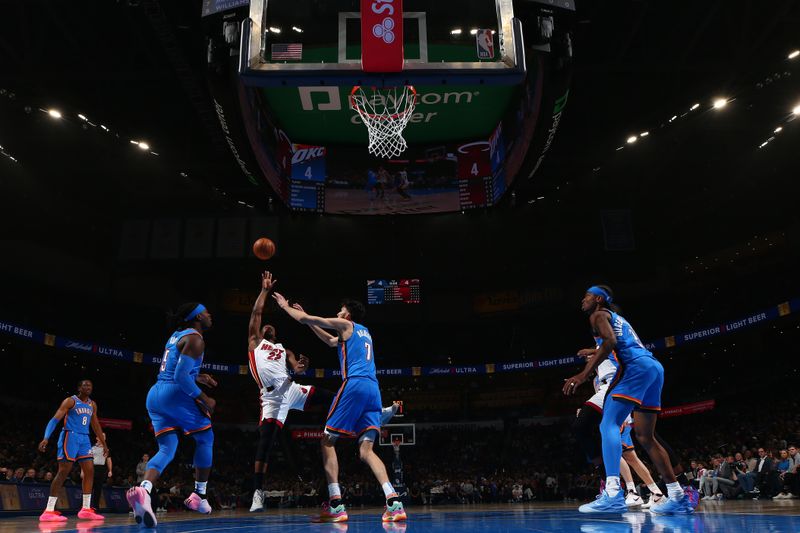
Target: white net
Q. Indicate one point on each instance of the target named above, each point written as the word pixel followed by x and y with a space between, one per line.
pixel 385 112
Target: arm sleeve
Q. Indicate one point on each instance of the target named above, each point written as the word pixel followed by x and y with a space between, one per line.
pixel 185 380
pixel 51 426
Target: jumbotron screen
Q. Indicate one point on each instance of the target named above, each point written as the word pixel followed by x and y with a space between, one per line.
pixel 383 291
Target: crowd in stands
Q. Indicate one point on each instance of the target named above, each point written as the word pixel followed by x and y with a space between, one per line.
pixel 738 451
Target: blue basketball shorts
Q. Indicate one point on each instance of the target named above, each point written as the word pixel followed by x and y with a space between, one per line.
pixel 171 409
pixel 639 381
pixel 627 441
pixel 356 409
pixel 74 447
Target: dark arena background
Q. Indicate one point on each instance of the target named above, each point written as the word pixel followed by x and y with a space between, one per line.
pixel 552 145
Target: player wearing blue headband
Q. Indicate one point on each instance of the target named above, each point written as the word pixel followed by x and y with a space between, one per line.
pixel 636 388
pixel 176 403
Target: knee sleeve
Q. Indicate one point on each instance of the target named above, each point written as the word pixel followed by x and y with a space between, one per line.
pixel 204 448
pixel 268 432
pixel 587 432
pixel 614 414
pixel 167 444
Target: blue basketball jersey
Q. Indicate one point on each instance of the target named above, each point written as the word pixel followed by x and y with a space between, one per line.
pixel 356 355
pixel 79 418
pixel 629 347
pixel 612 356
pixel 171 354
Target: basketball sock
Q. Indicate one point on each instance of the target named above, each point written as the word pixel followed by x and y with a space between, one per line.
pixel 200 488
pixel 51 503
pixel 146 485
pixel 258 481
pixel 87 501
pixel 674 490
pixel 654 488
pixel 388 490
pixel 334 493
pixel 612 486
pixel 630 486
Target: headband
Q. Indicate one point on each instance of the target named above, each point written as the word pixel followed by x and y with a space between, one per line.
pixel 597 291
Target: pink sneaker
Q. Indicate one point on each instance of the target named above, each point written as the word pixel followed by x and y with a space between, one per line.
pixel 196 503
pixel 52 516
pixel 88 513
pixel 331 514
pixel 139 500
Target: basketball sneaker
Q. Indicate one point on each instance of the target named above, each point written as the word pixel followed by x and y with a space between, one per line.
pixel 394 512
pixel 673 506
pixel 195 503
pixel 331 514
pixel 52 516
pixel 139 500
pixel 258 501
pixel 88 513
pixel 653 500
pixel 606 504
pixel 387 413
pixel 633 500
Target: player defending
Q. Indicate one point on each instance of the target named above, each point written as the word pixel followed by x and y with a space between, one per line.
pixel 636 387
pixel 79 413
pixel 356 410
pixel 175 403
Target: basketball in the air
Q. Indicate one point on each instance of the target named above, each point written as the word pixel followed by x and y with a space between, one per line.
pixel 264 248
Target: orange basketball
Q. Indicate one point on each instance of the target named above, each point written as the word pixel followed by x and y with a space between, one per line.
pixel 264 248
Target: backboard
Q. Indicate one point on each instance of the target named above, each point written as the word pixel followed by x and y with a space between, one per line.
pixel 404 433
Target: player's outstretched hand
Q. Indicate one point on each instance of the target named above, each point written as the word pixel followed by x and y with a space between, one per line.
pixel 298 307
pixel 587 352
pixel 42 446
pixel 573 383
pixel 282 302
pixel 267 283
pixel 206 379
pixel 302 364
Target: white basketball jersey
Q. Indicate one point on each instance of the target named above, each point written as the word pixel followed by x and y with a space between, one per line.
pixel 605 371
pixel 268 364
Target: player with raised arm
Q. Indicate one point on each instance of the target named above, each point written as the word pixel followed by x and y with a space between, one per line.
pixel 79 412
pixel 175 403
pixel 356 410
pixel 636 388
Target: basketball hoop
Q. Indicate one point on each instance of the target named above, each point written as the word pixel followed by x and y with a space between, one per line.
pixel 385 112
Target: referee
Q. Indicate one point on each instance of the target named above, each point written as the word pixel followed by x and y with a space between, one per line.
pixel 102 470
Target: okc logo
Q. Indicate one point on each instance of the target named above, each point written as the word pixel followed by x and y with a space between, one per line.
pixel 384 30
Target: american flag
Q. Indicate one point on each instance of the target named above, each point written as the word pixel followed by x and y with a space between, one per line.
pixel 287 51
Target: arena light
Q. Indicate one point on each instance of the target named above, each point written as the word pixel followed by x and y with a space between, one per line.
pixel 794 54
pixel 54 113
pixel 695 106
pixel 796 110
pixel 632 139
pixel 719 103
pixel 456 31
pixel 473 31
pixel 779 129
pixel 644 134
pixel 673 118
pixel 274 30
pixel 82 117
pixel 298 30
pixel 144 146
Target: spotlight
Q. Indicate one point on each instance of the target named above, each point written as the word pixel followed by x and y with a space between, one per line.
pixel 778 129
pixel 274 30
pixel 473 31
pixel 794 54
pixel 796 110
pixel 719 103
pixel 695 106
pixel 144 146
pixel 644 134
pixel 456 31
pixel 54 113
pixel 632 139
pixel 298 30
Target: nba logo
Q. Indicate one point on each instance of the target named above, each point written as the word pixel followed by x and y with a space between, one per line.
pixel 485 42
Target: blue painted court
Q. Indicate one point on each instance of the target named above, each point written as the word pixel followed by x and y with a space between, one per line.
pixel 728 517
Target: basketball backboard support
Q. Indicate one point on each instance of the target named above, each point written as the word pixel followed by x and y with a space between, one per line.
pixel 290 43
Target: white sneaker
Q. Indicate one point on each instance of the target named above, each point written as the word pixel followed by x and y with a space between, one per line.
pixel 387 413
pixel 258 501
pixel 706 498
pixel 655 499
pixel 633 500
pixel 718 496
pixel 781 496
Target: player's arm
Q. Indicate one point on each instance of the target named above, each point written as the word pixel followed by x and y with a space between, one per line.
pixel 192 346
pixel 61 412
pixel 254 329
pixel 323 335
pixel 110 466
pixel 98 430
pixel 602 326
pixel 298 364
pixel 338 324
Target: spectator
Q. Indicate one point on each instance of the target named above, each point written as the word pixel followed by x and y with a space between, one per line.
pixel 141 468
pixel 765 476
pixel 750 459
pixel 30 476
pixel 784 467
pixel 19 473
pixel 745 477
